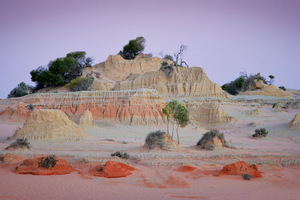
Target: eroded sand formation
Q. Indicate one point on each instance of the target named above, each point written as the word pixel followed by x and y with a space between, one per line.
pixel 180 174
pixel 46 124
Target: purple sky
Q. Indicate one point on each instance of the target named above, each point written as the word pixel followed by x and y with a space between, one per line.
pixel 224 37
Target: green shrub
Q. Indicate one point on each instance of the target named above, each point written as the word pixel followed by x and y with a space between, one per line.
pixel 21 90
pixel 79 84
pixel 30 107
pixel 48 162
pixel 282 87
pixel 123 155
pixel 209 136
pixel 168 57
pixel 62 70
pixel 155 138
pixel 249 81
pixel 19 143
pixel 262 132
pixel 234 87
pixel 247 176
pixel 166 68
pixel 133 48
pixel 243 83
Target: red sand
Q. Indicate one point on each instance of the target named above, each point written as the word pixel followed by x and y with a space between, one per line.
pixel 278 183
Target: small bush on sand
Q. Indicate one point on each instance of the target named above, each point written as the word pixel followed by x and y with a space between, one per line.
pixel 261 132
pixel 247 176
pixel 19 144
pixel 79 84
pixel 123 155
pixel 155 138
pixel 48 162
pixel 282 87
pixel 30 107
pixel 210 147
pixel 209 136
pixel 166 68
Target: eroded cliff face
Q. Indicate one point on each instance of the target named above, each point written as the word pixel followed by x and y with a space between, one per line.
pixel 134 107
pixel 208 113
pixel 116 68
pixel 183 82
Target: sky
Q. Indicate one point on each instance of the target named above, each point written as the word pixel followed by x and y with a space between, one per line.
pixel 224 37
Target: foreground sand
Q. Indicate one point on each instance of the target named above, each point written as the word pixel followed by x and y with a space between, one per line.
pixel 278 158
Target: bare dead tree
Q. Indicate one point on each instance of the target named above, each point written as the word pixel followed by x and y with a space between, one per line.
pixel 179 54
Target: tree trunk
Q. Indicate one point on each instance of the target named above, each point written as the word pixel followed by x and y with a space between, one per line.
pixel 168 121
pixel 173 128
pixel 177 134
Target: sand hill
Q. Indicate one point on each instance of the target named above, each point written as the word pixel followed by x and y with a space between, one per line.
pixel 295 123
pixel 45 124
pixel 266 90
pixel 183 82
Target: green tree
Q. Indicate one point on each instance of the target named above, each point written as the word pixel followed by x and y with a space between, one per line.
pixel 178 114
pixel 182 118
pixel 133 48
pixel 62 70
pixel 271 79
pixel 21 90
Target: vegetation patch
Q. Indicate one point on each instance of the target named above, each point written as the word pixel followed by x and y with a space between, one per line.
pixel 245 83
pixel 123 155
pixel 48 162
pixel 133 48
pixel 80 84
pixel 154 139
pixel 21 90
pixel 262 132
pixel 20 143
pixel 209 137
pixel 166 68
pixel 247 177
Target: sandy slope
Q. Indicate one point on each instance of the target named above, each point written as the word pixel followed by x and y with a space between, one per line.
pixel 278 156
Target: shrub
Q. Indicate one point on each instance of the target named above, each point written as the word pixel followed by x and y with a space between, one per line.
pixel 62 70
pixel 234 87
pixel 247 176
pixel 260 132
pixel 282 87
pixel 21 90
pixel 249 82
pixel 243 83
pixel 79 84
pixel 133 48
pixel 123 155
pixel 19 143
pixel 168 57
pixel 30 107
pixel 155 138
pixel 166 68
pixel 209 136
pixel 210 147
pixel 48 162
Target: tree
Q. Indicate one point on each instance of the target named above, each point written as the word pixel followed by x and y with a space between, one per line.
pixel 271 79
pixel 133 48
pixel 178 114
pixel 178 55
pixel 182 118
pixel 21 90
pixel 62 70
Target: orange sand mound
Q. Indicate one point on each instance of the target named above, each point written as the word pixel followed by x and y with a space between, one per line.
pixel 240 168
pixel 185 168
pixel 112 169
pixel 32 166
